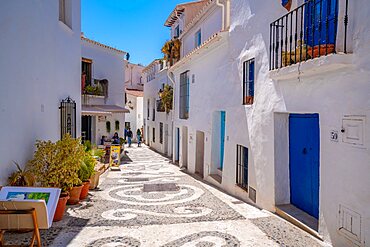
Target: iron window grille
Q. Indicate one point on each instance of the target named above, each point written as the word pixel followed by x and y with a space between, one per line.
pixel 184 95
pixel 306 32
pixel 242 167
pixel 248 82
pixel 67 117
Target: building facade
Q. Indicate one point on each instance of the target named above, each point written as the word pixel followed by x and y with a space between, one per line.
pixel 158 121
pixel 134 97
pixel 103 87
pixel 38 71
pixel 272 105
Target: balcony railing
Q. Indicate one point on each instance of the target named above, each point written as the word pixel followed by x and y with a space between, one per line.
pixel 160 106
pixel 98 88
pixel 306 32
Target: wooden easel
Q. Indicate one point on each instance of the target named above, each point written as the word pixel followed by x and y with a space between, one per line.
pixel 36 232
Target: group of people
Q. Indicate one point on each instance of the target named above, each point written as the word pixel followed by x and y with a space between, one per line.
pixel 128 136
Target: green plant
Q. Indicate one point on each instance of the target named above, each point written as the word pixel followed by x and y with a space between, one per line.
pixel 87 145
pixel 171 50
pixel 167 97
pixel 97 152
pixel 94 90
pixel 121 141
pixel 57 164
pixel 21 177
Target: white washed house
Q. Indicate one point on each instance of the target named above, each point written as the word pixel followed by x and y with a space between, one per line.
pixel 200 87
pixel 135 104
pixel 296 117
pixel 134 97
pixel 38 70
pixel 103 102
pixel 158 123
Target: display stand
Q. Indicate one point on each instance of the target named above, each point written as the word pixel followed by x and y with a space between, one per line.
pixel 32 213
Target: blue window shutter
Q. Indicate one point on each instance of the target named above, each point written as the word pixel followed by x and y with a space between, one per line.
pixel 251 78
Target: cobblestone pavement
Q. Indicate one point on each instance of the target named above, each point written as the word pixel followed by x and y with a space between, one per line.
pixel 150 202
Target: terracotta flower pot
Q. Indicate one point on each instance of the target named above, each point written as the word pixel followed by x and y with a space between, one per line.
pixel 85 190
pixel 74 195
pixel 61 207
pixel 94 180
pixel 329 48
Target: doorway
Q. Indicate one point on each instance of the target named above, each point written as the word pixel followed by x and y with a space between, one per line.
pixel 199 154
pixel 177 146
pixel 86 128
pixel 184 147
pixel 304 159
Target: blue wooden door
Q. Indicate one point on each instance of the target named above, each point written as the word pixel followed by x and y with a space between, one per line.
pixel 177 144
pixel 304 152
pixel 222 148
pixel 321 17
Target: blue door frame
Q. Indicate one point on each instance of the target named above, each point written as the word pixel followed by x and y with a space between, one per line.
pixel 304 162
pixel 222 147
pixel 177 157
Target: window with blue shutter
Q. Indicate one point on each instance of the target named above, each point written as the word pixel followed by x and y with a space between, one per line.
pixel 184 95
pixel 248 82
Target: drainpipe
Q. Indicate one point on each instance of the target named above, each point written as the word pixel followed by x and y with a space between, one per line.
pixel 225 13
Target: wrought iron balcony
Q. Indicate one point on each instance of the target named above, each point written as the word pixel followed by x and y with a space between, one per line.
pixel 306 32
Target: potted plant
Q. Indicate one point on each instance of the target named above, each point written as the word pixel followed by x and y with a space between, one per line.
pixel 85 173
pixel 94 179
pixel 57 165
pixel 21 177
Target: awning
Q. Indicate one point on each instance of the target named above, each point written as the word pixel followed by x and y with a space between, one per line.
pixel 102 110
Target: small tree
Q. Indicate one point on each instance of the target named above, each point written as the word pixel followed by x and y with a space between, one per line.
pixel 57 164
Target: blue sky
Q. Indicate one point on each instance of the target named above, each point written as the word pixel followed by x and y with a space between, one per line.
pixel 135 26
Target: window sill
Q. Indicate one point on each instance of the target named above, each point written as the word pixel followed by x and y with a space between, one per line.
pixel 242 188
pixel 65 27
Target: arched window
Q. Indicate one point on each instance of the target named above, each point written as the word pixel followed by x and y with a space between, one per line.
pixel 116 125
pixel 107 126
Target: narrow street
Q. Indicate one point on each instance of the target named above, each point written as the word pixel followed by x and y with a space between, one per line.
pixel 152 203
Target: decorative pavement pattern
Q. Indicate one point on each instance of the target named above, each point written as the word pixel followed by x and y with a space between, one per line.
pixel 151 202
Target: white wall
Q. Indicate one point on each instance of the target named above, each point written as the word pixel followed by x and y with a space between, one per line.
pixel 39 66
pixel 333 86
pixel 151 89
pixel 135 117
pixel 110 65
pixel 107 64
pixel 210 24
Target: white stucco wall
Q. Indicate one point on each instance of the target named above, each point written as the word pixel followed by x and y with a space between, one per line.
pixel 39 65
pixel 334 86
pixel 107 64
pixel 209 25
pixel 135 117
pixel 151 89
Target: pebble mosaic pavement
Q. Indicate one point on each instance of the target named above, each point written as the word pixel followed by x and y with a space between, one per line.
pixel 132 207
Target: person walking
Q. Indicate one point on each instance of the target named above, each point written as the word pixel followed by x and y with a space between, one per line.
pixel 138 135
pixel 129 136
